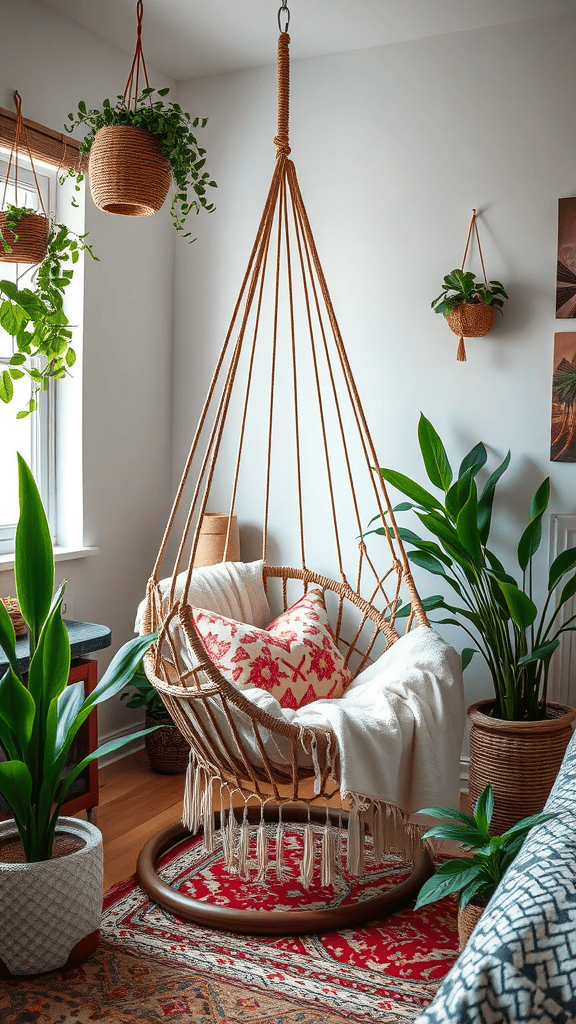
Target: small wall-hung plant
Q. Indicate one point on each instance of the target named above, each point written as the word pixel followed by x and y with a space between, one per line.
pixel 467 304
pixel 33 313
pixel 137 146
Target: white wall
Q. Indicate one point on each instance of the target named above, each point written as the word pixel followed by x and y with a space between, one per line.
pixel 53 63
pixel 394 146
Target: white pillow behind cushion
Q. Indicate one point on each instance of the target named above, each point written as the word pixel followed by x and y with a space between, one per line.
pixel 295 658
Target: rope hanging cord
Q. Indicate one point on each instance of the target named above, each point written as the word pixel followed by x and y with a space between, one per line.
pixel 20 135
pixel 138 64
pixel 461 353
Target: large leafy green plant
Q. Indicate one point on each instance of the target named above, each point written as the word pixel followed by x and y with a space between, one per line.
pixel 144 695
pixel 34 314
pixel 475 877
pixel 463 287
pixel 497 609
pixel 38 721
pixel 172 128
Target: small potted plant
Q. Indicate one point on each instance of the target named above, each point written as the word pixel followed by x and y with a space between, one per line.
pixel 469 305
pixel 495 606
pixel 167 749
pixel 45 857
pixel 33 314
pixel 474 877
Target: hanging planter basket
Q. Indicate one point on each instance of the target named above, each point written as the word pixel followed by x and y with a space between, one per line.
pixel 29 242
pixel 128 173
pixel 31 245
pixel 520 759
pixel 471 319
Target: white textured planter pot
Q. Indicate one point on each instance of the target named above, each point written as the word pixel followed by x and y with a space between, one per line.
pixel 50 911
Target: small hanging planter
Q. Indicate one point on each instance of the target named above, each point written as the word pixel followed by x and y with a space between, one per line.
pixel 128 174
pixel 468 305
pixel 23 232
pixel 137 146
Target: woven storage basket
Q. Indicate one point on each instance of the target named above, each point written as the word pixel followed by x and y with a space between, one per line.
pixel 167 748
pixel 520 759
pixel 32 244
pixel 468 919
pixel 13 608
pixel 212 547
pixel 471 319
pixel 128 173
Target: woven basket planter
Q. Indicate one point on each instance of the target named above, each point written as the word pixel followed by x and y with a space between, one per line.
pixel 128 173
pixel 32 244
pixel 520 759
pixel 468 919
pixel 167 749
pixel 471 319
pixel 50 910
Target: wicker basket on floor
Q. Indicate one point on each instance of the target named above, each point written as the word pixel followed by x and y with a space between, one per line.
pixel 167 748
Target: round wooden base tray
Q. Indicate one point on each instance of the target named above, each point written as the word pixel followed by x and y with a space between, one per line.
pixel 270 922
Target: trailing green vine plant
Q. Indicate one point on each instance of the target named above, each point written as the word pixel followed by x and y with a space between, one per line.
pixel 171 126
pixel 34 316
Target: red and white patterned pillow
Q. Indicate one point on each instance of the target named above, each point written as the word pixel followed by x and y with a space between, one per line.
pixel 295 658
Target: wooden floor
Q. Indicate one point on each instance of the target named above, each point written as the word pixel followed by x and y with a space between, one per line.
pixel 135 803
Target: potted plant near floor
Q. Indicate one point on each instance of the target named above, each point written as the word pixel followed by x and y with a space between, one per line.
pixel 168 750
pixel 474 877
pixel 50 866
pixel 33 313
pixel 518 737
pixel 138 145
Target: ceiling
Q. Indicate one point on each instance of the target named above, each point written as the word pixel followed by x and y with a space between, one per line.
pixel 191 38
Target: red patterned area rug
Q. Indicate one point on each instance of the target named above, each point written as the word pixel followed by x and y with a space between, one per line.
pixel 151 966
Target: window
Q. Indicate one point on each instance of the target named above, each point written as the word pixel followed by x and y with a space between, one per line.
pixel 40 436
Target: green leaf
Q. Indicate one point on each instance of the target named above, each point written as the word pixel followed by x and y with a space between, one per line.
pixel 467 655
pixel 530 539
pixel 411 489
pixel 458 495
pixel 524 826
pixel 6 387
pixel 542 653
pixel 427 561
pixel 467 527
pixel 16 787
pixel 486 499
pixel 473 461
pixel 568 591
pixel 483 811
pixel 522 609
pixel 34 560
pixel 106 748
pixel 50 663
pixel 565 562
pixel 428 604
pixel 17 710
pixel 452 876
pixel 469 836
pixel 434 455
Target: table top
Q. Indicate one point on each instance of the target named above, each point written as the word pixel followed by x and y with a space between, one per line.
pixel 85 637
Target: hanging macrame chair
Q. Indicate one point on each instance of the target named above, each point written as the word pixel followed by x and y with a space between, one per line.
pixel 270 770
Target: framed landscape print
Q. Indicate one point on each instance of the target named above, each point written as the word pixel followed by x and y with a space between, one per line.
pixel 563 432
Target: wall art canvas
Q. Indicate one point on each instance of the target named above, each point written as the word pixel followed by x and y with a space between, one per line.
pixel 563 433
pixel 566 279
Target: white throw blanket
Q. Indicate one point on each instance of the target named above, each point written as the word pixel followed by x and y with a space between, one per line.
pixel 399 725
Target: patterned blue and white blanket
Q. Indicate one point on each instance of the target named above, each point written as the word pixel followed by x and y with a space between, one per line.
pixel 519 967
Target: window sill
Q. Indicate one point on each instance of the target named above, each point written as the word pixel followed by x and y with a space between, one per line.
pixel 60 555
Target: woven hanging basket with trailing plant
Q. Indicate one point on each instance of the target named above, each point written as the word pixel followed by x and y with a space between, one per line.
pixel 23 231
pixel 139 145
pixel 467 304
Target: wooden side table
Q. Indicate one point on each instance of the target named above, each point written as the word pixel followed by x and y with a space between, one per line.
pixel 85 637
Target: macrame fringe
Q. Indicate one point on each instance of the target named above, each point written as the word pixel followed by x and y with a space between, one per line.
pixel 244 849
pixel 261 850
pixel 328 866
pixel 280 865
pixel 307 863
pixel 461 353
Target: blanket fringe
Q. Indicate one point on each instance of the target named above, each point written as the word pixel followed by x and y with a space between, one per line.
pixel 388 826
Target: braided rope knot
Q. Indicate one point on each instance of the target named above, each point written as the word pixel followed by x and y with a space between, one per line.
pixel 282 146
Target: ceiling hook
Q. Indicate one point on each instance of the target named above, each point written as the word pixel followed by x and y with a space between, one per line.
pixel 284 10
